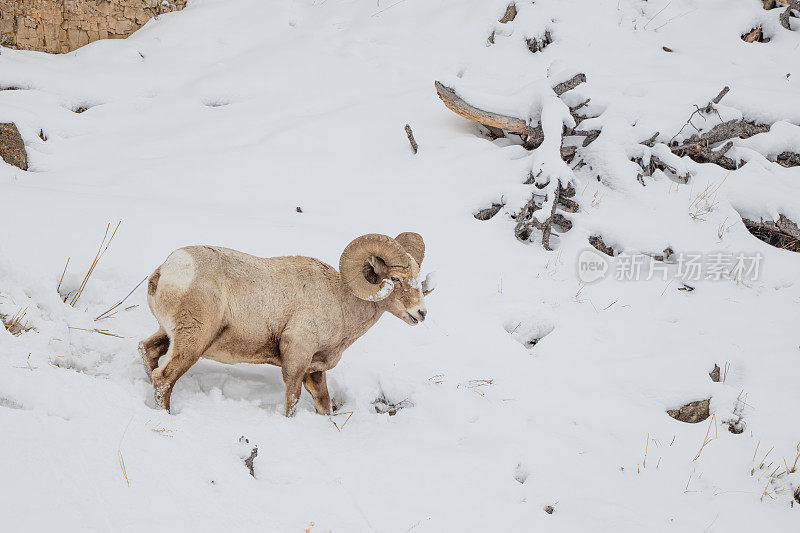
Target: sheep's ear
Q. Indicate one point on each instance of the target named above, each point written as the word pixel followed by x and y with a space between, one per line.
pixel 413 244
pixel 374 269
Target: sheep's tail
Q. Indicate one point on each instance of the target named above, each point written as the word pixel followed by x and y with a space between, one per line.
pixel 152 283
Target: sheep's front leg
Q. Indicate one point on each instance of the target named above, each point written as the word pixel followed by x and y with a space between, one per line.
pixel 295 359
pixel 317 386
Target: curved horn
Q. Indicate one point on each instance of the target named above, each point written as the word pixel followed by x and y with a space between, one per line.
pixel 413 244
pixel 356 254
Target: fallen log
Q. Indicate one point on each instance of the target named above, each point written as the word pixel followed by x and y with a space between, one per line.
pixel 698 147
pixel 459 106
pixel 782 233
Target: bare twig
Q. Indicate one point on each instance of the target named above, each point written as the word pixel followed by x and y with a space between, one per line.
pixel 410 135
pixel 705 109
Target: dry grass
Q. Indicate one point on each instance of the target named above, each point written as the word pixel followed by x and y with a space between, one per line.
pixel 775 483
pixel 120 457
pixel 723 229
pixel 14 323
pixel 97 330
pixel 793 469
pixel 61 280
pixel 104 244
pixel 705 202
pixel 28 364
pixel 476 385
pixel 706 440
pixel 346 420
pixel 107 313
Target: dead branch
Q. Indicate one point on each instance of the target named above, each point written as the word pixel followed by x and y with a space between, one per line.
pixel 537 45
pixel 597 242
pixel 589 135
pixel 410 135
pixel 705 109
pixel 784 17
pixel 547 225
pixel 457 105
pixel 698 147
pixel 526 221
pixel 652 140
pixel 718 98
pixel 496 121
pixel 248 462
pixel 570 84
pixel 568 153
pixel 658 164
pixel 728 130
pixel 489 212
pixel 570 206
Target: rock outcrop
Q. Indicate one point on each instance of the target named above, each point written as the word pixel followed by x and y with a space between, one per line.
pixel 60 26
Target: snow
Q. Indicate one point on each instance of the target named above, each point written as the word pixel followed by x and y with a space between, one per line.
pixel 387 286
pixel 523 388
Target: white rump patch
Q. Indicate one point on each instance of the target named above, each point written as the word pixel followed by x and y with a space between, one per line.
pixel 178 270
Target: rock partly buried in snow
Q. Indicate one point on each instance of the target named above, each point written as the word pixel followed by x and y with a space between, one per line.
pixel 691 413
pixel 714 374
pixel 12 147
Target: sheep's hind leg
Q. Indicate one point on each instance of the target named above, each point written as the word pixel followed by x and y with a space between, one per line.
pixel 152 348
pixel 317 386
pixel 184 351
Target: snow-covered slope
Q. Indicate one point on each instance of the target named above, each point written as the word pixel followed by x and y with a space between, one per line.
pixel 214 124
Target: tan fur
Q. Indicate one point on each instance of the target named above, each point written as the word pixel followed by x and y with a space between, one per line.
pixel 293 312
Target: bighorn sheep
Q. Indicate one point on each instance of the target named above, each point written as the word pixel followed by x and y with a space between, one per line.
pixel 294 312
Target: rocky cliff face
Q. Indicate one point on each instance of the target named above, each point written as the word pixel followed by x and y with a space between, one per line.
pixel 60 26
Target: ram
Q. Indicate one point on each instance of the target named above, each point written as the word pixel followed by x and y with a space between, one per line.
pixel 294 312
